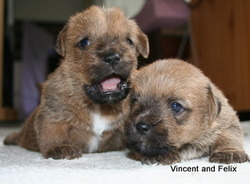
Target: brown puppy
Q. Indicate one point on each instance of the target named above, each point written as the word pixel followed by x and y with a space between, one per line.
pixel 80 107
pixel 177 114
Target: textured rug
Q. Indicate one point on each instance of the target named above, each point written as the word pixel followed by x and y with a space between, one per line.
pixel 20 166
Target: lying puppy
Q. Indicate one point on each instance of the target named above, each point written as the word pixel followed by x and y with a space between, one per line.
pixel 176 113
pixel 80 107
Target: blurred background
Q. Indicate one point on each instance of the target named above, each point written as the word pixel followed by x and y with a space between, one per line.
pixel 211 34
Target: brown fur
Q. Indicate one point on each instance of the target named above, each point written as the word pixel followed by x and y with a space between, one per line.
pixel 63 126
pixel 158 132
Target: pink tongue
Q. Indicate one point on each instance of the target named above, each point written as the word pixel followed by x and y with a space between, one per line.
pixel 110 83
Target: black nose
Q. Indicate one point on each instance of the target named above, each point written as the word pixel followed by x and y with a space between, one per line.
pixel 143 127
pixel 111 58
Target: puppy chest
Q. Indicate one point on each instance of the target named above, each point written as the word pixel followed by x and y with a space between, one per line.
pixel 100 124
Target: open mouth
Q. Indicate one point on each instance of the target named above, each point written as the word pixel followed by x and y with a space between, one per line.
pixel 110 83
pixel 111 89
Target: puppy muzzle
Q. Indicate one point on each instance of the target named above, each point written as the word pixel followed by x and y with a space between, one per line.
pixel 141 138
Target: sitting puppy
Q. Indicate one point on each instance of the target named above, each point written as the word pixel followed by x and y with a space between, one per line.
pixel 80 107
pixel 176 113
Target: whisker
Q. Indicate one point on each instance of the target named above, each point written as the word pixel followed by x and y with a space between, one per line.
pixel 158 121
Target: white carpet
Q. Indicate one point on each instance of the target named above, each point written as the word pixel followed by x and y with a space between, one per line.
pixel 18 165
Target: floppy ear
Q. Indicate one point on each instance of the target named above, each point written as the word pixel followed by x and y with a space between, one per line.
pixel 143 45
pixel 60 42
pixel 214 105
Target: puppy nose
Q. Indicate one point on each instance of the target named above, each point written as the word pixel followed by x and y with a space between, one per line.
pixel 143 127
pixel 112 58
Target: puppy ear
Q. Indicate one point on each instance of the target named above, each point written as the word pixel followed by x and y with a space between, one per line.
pixel 143 45
pixel 60 42
pixel 214 105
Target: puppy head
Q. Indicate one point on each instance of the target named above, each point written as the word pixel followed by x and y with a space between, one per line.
pixel 100 46
pixel 171 104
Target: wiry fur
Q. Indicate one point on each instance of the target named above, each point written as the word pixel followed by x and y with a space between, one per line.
pixel 208 125
pixel 65 124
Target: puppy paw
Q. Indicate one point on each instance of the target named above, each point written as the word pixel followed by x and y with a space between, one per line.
pixel 148 160
pixel 229 157
pixel 12 139
pixel 168 159
pixel 63 152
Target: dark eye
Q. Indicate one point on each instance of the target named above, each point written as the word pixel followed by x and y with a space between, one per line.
pixel 84 43
pixel 130 42
pixel 176 107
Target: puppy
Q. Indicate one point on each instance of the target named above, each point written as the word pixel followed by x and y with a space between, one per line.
pixel 80 107
pixel 176 113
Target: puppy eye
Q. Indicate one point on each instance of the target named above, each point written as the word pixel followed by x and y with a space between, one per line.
pixel 83 43
pixel 176 107
pixel 130 42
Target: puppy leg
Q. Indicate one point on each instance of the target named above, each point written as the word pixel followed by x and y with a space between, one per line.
pixel 12 139
pixel 62 141
pixel 170 158
pixel 26 138
pixel 228 147
pixel 113 141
